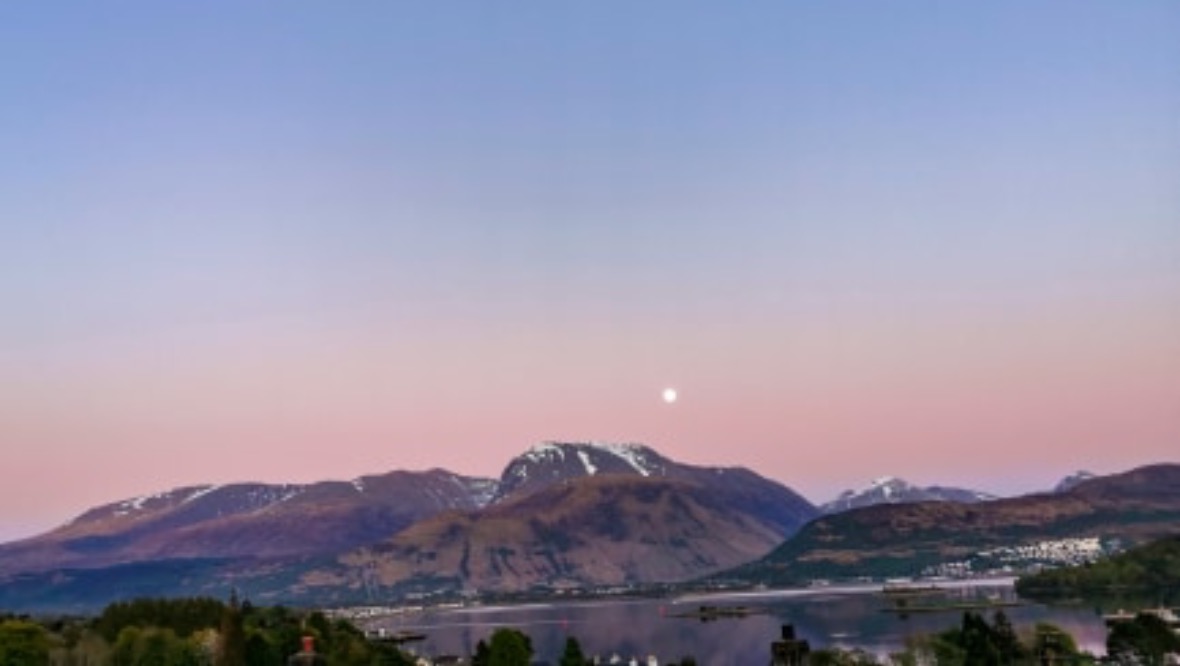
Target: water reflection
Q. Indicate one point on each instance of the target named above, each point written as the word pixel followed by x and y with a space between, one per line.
pixel 844 617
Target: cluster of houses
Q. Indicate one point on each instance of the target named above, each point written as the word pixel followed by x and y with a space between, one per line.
pixel 1025 557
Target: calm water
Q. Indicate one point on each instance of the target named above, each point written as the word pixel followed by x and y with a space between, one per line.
pixel 844 616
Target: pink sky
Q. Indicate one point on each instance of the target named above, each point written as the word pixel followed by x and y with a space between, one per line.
pixel 1004 405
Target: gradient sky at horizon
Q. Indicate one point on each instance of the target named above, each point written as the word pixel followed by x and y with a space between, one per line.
pixel 296 241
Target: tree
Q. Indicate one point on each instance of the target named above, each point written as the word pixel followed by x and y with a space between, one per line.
pixel 483 654
pixel 259 651
pixel 978 641
pixel 184 616
pixel 1005 640
pixel 161 647
pixel 124 651
pixel 23 643
pixel 1146 639
pixel 232 650
pixel 572 655
pixel 509 647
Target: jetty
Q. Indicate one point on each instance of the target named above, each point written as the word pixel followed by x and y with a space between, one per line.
pixel 1166 614
pixel 709 613
pixel 983 604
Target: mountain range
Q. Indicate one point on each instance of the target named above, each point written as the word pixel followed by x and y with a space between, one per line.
pixel 907 539
pixel 247 520
pixel 891 490
pixel 561 515
pixel 579 515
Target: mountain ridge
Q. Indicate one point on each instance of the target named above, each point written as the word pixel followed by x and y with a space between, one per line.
pixel 907 539
pixel 288 538
pixel 894 490
pixel 245 519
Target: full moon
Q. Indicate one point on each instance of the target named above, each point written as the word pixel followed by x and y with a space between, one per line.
pixel 669 395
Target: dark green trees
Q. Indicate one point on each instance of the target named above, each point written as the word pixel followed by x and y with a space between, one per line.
pixel 977 643
pixel 1145 640
pixel 572 654
pixel 183 616
pixel 23 644
pixel 153 647
pixel 203 632
pixel 1151 567
pixel 232 650
pixel 507 647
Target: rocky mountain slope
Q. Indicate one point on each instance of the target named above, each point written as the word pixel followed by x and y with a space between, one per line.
pixel 555 463
pixel 562 514
pixel 601 531
pixel 904 539
pixel 581 514
pixel 247 520
pixel 891 490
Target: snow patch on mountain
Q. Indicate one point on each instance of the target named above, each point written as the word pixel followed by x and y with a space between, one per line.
pixel 631 454
pixel 199 492
pixel 1072 480
pixel 481 491
pixel 590 468
pixel 555 462
pixel 544 451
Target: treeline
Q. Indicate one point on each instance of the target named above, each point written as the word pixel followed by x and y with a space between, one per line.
pixel 1153 567
pixel 975 642
pixel 1144 641
pixel 188 632
pixel 207 632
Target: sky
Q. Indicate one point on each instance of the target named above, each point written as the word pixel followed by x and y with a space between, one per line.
pixel 294 241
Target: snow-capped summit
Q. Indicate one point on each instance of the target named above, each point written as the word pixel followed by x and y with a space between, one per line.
pixel 1072 480
pixel 552 462
pixel 892 490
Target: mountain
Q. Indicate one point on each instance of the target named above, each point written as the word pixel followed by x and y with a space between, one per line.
pixel 583 514
pixel 890 490
pixel 554 462
pixel 247 520
pixel 907 539
pixel 600 530
pixel 561 514
pixel 1072 480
